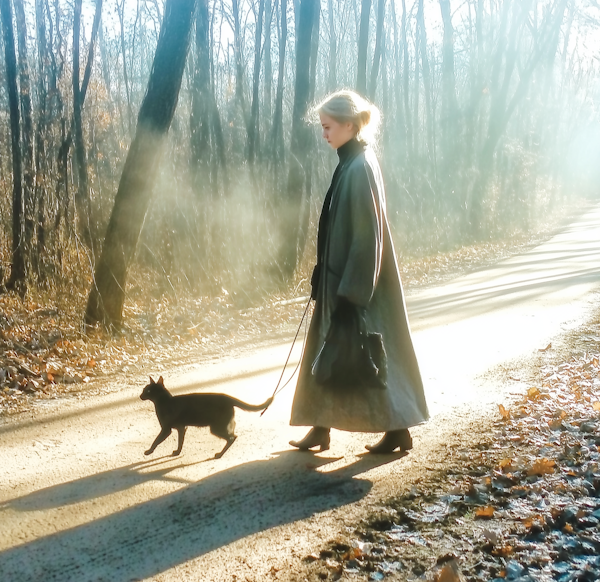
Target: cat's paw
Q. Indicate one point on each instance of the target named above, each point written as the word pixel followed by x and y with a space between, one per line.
pixel 175 453
pixel 148 452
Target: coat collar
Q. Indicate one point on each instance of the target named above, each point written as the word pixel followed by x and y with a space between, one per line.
pixel 350 149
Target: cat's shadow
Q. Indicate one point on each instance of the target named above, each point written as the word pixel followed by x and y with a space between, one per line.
pixel 197 518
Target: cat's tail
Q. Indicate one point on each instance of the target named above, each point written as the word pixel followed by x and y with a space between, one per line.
pixel 252 407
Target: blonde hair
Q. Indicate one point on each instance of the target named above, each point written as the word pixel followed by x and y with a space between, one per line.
pixel 347 106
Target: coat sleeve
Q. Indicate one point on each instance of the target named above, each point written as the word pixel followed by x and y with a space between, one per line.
pixel 366 236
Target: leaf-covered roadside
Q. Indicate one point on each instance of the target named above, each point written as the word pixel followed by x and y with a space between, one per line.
pixel 44 352
pixel 523 506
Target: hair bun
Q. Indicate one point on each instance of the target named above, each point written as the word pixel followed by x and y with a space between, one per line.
pixel 365 117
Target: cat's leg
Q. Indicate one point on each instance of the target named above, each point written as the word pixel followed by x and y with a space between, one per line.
pixel 181 435
pixel 229 442
pixel 164 433
pixel 225 432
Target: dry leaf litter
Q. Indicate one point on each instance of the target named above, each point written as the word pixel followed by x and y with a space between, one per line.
pixel 523 507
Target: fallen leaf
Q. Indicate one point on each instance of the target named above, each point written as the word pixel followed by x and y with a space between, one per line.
pixel 485 512
pixel 546 348
pixel 352 554
pixel 533 393
pixel 492 536
pixel 503 551
pixel 534 520
pixel 449 573
pixel 542 467
pixel 596 405
pixel 503 412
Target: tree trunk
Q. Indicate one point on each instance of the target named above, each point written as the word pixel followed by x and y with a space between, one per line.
pixel 378 49
pixel 332 78
pixel 199 116
pixel 363 47
pixel 82 197
pixel 18 267
pixel 449 115
pixel 121 15
pixel 416 149
pixel 277 132
pixel 253 129
pixel 297 178
pixel 105 302
pixel 405 93
pixel 268 85
pixel 429 114
pixel 398 73
pixel 472 113
pixel 239 64
pixel 215 136
pixel 314 50
pixel 27 132
pixel 41 159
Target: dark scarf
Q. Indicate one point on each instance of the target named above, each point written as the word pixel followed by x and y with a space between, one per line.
pixel 346 153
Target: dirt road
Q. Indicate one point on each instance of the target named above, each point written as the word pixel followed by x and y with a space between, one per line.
pixel 79 501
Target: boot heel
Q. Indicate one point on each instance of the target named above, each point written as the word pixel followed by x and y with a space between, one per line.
pixel 316 437
pixel 392 440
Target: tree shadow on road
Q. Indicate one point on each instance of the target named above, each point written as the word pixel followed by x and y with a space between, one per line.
pixel 159 534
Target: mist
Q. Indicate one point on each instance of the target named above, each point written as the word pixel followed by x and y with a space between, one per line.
pixel 490 126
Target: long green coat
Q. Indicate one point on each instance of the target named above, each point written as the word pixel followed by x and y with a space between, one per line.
pixel 359 263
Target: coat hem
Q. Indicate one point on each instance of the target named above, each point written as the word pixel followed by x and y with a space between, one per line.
pixel 345 428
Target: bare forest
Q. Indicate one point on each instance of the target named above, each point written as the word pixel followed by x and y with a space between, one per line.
pixel 166 147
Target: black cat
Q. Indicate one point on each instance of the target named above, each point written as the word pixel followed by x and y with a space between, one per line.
pixel 179 412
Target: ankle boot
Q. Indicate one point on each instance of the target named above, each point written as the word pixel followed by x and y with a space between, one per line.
pixel 318 436
pixel 391 441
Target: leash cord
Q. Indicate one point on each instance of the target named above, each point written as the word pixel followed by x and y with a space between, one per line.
pixel 277 388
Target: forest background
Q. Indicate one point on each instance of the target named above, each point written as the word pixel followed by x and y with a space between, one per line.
pixel 490 125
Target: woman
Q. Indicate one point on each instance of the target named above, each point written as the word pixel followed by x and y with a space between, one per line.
pixel 357 272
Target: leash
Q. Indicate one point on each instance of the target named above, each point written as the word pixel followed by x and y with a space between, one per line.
pixel 277 388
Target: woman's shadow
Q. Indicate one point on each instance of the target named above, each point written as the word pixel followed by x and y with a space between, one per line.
pixel 159 534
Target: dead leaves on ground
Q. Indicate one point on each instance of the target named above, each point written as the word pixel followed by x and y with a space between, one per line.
pixel 523 506
pixel 44 351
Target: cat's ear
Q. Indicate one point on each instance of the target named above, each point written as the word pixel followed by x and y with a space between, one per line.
pixel 161 381
pixel 151 380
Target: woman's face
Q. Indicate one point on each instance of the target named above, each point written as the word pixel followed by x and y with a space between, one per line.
pixel 335 133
